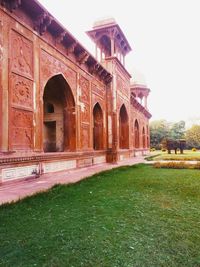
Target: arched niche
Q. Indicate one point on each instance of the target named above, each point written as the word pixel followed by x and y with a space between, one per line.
pixel 123 128
pixel 97 127
pixel 143 138
pixel 59 122
pixel 136 134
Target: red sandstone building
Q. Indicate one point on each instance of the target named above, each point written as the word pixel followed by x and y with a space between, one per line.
pixel 60 107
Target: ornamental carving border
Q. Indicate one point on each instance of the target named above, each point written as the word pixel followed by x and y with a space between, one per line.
pixel 51 66
pixel 85 90
pixel 98 90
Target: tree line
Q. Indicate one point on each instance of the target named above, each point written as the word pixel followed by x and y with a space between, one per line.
pixel 162 129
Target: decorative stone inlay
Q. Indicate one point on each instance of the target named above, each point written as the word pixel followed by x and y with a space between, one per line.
pixel 85 162
pixel 19 172
pixel 121 157
pixel 59 166
pixel 98 160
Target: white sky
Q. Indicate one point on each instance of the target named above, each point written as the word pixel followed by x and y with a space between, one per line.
pixel 165 37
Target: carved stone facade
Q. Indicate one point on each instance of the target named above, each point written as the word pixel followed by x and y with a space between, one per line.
pixel 60 107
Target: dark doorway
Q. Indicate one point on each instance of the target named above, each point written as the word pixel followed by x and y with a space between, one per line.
pixel 137 135
pixel 59 130
pixel 50 136
pixel 123 128
pixel 98 127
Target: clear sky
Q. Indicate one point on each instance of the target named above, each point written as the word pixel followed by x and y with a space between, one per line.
pixel 165 37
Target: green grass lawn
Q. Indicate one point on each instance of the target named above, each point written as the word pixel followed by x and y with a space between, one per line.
pixel 131 216
pixel 188 155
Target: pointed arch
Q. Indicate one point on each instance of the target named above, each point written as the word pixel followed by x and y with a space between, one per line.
pixel 143 138
pixel 59 122
pixel 97 127
pixel 147 136
pixel 123 128
pixel 136 134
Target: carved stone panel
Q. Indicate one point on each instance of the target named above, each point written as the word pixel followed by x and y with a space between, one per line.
pixel 51 66
pixel 85 90
pixel 85 136
pixel 122 86
pixel 21 129
pixel 21 51
pixel 85 113
pixel 21 91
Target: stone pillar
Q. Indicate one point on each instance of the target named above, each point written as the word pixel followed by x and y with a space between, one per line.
pixel 1 85
pixel 4 113
pixel 37 98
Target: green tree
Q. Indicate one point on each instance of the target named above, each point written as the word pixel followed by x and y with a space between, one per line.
pixel 177 130
pixel 193 137
pixel 159 130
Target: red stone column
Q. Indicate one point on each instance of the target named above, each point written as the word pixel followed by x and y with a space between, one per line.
pixel 4 103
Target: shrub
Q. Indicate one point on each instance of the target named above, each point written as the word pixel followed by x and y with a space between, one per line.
pixel 152 149
pixel 177 165
pixel 164 150
pixel 194 149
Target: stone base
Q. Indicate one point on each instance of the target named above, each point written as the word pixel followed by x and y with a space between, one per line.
pixel 15 168
pixel 34 165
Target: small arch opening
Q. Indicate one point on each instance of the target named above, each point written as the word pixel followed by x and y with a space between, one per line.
pixel 137 136
pixel 123 128
pixel 97 127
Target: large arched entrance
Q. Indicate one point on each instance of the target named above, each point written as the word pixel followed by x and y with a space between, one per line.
pixel 98 127
pixel 123 128
pixel 137 135
pixel 59 124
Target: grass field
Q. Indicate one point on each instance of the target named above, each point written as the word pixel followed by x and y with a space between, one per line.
pixel 127 217
pixel 188 155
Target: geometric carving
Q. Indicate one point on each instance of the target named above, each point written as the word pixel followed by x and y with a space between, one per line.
pixel 22 129
pixel 22 91
pixel 98 90
pixel 121 86
pixel 85 93
pixel 21 54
